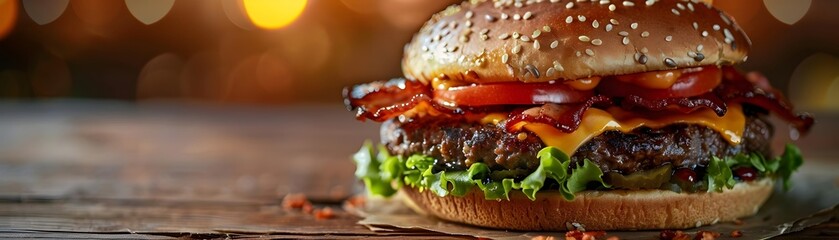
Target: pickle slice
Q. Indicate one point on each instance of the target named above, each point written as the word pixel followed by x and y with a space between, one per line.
pixel 647 179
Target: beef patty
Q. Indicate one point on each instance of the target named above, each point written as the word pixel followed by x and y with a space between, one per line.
pixel 456 145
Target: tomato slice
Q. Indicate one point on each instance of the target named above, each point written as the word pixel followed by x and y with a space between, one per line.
pixel 692 82
pixel 510 94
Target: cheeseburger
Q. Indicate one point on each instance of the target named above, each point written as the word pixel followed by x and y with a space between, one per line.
pixel 539 115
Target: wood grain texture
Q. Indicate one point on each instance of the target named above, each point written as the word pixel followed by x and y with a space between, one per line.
pixel 94 170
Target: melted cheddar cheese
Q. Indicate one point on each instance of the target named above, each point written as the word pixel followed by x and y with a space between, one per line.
pixel 596 121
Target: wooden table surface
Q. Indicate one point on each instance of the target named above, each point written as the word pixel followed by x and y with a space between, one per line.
pixel 110 170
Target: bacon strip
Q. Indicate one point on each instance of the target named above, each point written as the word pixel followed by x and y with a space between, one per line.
pixel 565 117
pixel 683 105
pixel 380 101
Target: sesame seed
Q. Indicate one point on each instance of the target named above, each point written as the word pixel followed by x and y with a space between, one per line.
pixel 628 4
pixel 425 48
pixel 468 23
pixel 525 39
pixel 489 18
pixel 645 34
pixel 584 38
pixel 484 31
pixel 532 70
pixel 516 17
pixel 516 35
pixel 595 24
pixel 569 19
pixel 527 15
pixel 612 7
pixel 554 44
pixel 680 6
pixel 581 18
pixel 569 5
pixel 625 41
pixel 604 2
pixel 728 34
pixel 505 58
pixel 716 27
pixel 464 39
pixel 642 59
pixel 699 57
pixel 695 26
pixel 578 53
pixel 536 44
pixel 623 33
pixel 504 16
pixel 546 28
pixel 608 27
pixel 704 33
pixel 675 11
pixel 503 36
pixel 550 72
pixel 554 1
pixel 669 62
pixel 510 70
pixel 469 14
pixel 516 49
pixel 644 50
pixel 484 37
pixel 558 66
pixel 634 25
pixel 699 47
pixel 668 38
pixel 650 2
pixel 589 52
pixel 728 41
pixel 690 7
pixel 596 42
pixel 613 21
pixel 691 54
pixel 536 34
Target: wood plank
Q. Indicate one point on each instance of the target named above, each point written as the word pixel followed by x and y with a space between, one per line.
pixel 119 170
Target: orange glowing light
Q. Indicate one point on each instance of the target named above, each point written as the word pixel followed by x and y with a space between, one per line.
pixel 273 14
pixel 8 16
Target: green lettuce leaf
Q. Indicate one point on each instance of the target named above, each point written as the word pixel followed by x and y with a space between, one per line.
pixel 382 173
pixel 787 163
pixel 553 164
pixel 719 175
pixel 580 178
pixel 367 169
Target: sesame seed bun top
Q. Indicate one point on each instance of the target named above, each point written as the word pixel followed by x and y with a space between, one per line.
pixel 544 40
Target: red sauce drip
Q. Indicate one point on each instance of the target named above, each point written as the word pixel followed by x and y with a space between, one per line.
pixel 747 174
pixel 685 175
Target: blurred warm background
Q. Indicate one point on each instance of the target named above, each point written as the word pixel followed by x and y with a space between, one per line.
pixel 292 51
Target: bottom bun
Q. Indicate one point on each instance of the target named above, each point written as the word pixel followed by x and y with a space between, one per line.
pixel 596 210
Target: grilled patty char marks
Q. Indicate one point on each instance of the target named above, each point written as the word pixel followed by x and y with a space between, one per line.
pixel 457 144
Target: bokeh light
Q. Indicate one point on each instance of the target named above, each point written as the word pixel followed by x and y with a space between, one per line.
pixel 787 11
pixel 235 12
pixel 8 16
pixel 159 78
pixel 98 15
pixel 271 14
pixel 149 11
pixel 407 14
pixel 812 83
pixel 45 11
